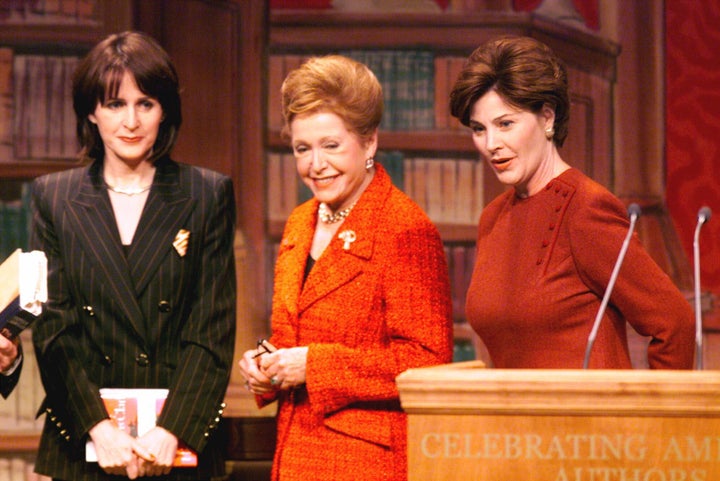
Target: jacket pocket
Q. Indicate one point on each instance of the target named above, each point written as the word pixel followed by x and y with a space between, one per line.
pixel 368 425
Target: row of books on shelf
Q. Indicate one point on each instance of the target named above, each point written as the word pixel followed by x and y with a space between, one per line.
pixel 450 191
pixel 416 86
pixel 397 5
pixel 37 120
pixel 48 11
pixel 15 218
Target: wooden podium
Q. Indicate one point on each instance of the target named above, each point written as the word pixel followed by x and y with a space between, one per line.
pixel 471 423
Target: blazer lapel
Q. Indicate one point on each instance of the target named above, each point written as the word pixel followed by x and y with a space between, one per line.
pixel 295 249
pixel 339 265
pixel 165 213
pixel 91 215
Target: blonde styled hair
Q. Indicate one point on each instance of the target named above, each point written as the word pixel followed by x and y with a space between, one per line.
pixel 336 84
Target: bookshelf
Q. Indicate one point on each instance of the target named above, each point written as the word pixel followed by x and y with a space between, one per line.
pixel 435 154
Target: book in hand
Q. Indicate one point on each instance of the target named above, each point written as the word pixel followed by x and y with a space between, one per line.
pixel 135 411
pixel 23 289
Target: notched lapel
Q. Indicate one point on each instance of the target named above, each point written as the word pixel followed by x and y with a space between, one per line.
pixel 92 220
pixel 166 212
pixel 337 266
pixel 291 267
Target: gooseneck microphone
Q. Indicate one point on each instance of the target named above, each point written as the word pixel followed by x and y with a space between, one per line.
pixel 634 213
pixel 704 215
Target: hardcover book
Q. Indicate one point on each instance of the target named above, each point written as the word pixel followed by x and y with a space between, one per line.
pixel 135 411
pixel 23 289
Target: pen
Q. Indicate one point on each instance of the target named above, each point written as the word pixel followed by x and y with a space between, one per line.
pixel 264 347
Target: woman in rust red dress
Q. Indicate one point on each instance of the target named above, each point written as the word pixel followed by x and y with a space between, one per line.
pixel 547 246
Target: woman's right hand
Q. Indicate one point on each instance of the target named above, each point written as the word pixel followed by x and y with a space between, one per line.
pixel 114 449
pixel 8 353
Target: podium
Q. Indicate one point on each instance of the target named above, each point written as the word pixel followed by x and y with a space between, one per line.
pixel 466 422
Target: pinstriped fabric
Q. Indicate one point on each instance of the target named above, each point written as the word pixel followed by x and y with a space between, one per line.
pixel 145 318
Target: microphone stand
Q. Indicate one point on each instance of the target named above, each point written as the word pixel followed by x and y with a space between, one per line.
pixel 703 216
pixel 634 212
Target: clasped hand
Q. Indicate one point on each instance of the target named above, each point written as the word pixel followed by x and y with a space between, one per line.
pixel 122 455
pixel 8 353
pixel 266 372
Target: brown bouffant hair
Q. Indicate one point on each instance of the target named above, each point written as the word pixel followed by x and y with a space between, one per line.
pixel 98 78
pixel 336 84
pixel 524 72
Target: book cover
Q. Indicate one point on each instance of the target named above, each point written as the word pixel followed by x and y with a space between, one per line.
pixel 23 288
pixel 135 411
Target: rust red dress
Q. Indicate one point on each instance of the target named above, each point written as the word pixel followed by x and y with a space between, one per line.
pixel 542 267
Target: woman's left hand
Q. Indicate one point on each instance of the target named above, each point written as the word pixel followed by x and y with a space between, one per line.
pixel 162 445
pixel 285 367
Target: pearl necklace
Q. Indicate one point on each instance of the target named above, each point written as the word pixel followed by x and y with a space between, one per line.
pixel 130 191
pixel 328 217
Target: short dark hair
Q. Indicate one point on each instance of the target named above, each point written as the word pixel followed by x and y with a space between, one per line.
pixel 98 77
pixel 524 72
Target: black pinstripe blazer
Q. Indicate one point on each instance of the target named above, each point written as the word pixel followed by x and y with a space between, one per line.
pixel 144 317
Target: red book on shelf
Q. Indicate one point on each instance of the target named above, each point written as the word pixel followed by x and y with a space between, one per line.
pixel 135 411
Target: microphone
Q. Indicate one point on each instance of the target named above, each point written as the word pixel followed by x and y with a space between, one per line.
pixel 634 213
pixel 704 215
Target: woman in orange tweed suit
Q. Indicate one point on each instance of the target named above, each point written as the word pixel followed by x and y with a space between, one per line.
pixel 361 290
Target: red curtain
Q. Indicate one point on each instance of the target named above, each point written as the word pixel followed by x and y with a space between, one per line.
pixel 692 123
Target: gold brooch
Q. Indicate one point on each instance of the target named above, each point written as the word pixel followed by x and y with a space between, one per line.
pixel 348 237
pixel 181 242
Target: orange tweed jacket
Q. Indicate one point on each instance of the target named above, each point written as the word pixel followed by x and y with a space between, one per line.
pixel 367 314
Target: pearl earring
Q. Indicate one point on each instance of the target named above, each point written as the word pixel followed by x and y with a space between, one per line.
pixel 369 163
pixel 549 133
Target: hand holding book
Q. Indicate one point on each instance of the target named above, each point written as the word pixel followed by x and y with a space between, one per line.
pixel 8 354
pixel 113 449
pixel 23 289
pixel 133 412
pixel 157 450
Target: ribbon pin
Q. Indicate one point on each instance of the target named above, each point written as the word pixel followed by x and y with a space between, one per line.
pixel 181 242
pixel 348 237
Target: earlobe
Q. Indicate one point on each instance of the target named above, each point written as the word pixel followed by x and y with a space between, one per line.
pixel 92 118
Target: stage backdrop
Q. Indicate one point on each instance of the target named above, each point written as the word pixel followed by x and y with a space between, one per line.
pixel 692 119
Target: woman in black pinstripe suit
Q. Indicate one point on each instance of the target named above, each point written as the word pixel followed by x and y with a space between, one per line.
pixel 141 276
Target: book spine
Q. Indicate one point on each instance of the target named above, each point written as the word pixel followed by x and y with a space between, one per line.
pixel 70 144
pixel 6 104
pixel 37 78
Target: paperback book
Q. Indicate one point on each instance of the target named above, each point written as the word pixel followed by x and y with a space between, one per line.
pixel 135 411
